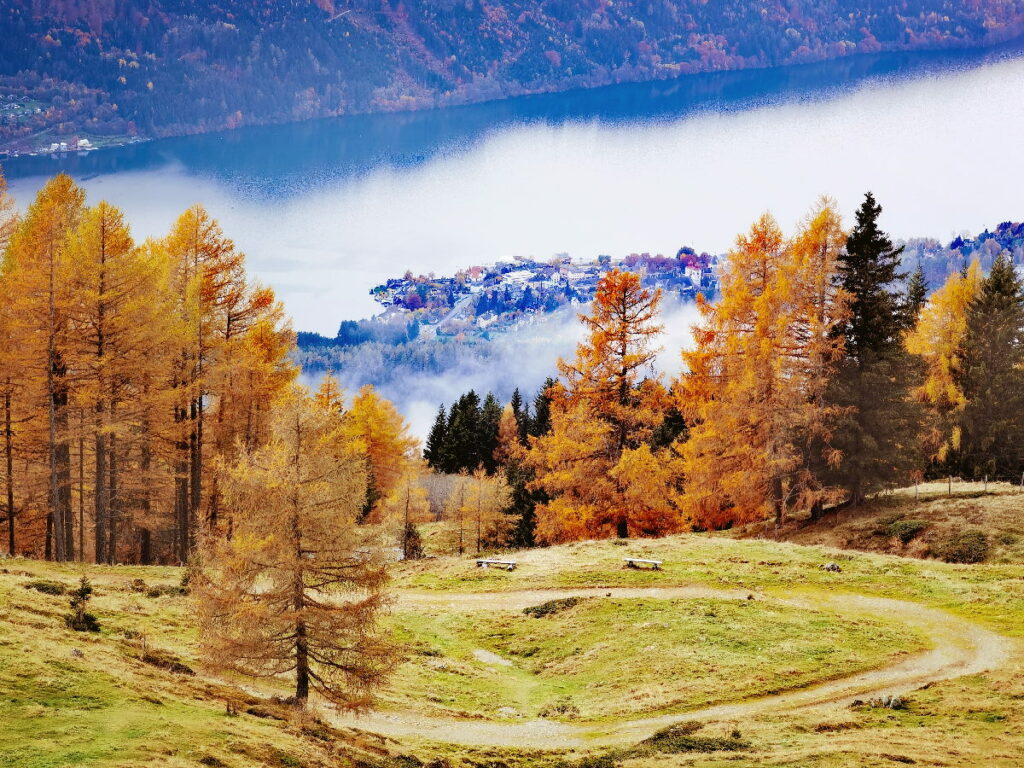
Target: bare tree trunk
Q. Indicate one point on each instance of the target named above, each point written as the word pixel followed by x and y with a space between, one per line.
pixel 9 460
pixel 115 503
pixel 778 503
pixel 101 502
pixel 81 485
pixel 196 468
pixel 298 584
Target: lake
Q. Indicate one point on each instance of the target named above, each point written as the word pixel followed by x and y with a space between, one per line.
pixel 327 209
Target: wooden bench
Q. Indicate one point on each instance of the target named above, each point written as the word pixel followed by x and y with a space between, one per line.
pixel 508 565
pixel 639 562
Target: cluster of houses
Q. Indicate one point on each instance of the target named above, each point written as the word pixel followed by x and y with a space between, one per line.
pixel 81 145
pixel 484 298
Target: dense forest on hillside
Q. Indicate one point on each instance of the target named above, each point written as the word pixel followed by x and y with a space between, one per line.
pixel 96 68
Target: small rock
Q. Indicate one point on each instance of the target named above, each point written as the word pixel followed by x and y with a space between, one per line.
pixel 508 712
pixel 831 567
pixel 77 654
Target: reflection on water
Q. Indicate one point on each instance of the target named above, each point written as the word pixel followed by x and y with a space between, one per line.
pixel 327 208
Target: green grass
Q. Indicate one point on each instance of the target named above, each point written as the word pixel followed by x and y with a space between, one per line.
pixel 990 593
pixel 603 658
pixel 88 699
pixel 609 658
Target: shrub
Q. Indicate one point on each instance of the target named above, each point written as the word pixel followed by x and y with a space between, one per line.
pixel 553 606
pixel 681 738
pixel 168 661
pixel 46 587
pixel 965 547
pixel 563 707
pixel 161 590
pixel 411 542
pixel 81 620
pixel 905 530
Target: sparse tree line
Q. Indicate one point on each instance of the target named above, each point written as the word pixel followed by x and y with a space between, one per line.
pixel 823 374
pixel 135 378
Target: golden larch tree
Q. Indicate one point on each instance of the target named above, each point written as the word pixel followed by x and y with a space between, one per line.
pixel 754 383
pixel 938 340
pixel 377 426
pixel 605 409
pixel 37 260
pixel 298 587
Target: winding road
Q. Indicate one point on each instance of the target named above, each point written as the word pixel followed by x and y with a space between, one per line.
pixel 959 647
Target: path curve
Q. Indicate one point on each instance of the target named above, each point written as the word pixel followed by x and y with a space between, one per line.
pixel 960 647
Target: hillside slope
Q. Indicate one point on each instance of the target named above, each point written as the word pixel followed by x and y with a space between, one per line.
pixel 119 697
pixel 150 68
pixel 920 522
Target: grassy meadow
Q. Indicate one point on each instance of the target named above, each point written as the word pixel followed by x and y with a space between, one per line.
pixel 136 693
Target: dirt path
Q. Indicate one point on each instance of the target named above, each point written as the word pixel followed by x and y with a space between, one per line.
pixel 959 648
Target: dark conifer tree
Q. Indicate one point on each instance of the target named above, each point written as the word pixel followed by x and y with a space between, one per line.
pixel 490 421
pixel 877 425
pixel 916 297
pixel 433 452
pixel 992 428
pixel 462 443
pixel 522 413
pixel 540 424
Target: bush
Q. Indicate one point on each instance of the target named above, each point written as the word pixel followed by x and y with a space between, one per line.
pixel 965 547
pixel 905 530
pixel 46 587
pixel 679 738
pixel 167 660
pixel 552 607
pixel 160 590
pixel 81 620
pixel 563 708
pixel 411 542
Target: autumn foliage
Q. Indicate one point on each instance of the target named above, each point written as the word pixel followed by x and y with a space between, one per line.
pixel 133 377
pixel 597 464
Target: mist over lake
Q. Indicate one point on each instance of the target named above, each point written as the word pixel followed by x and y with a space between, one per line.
pixel 327 209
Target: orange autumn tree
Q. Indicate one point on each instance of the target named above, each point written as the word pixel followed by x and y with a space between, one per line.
pixel 377 426
pixel 938 340
pixel 596 465
pixel 36 260
pixel 298 587
pixel 755 382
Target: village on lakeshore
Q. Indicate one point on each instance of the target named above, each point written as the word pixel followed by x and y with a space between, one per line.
pixel 479 300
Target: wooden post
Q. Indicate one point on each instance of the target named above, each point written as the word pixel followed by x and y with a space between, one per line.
pixel 949 486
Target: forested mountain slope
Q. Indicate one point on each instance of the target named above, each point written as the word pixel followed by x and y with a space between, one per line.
pixel 118 68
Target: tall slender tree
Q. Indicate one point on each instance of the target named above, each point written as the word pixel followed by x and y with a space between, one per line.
pixel 871 389
pixel 754 385
pixel 602 420
pixel 38 258
pixel 992 430
pixel 939 339
pixel 298 587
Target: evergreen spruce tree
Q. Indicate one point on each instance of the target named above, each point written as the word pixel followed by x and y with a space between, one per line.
pixel 916 296
pixel 522 413
pixel 490 420
pixel 462 440
pixel 872 384
pixel 992 428
pixel 540 424
pixel 433 453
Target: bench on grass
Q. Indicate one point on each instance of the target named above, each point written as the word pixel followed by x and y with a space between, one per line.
pixel 508 565
pixel 639 562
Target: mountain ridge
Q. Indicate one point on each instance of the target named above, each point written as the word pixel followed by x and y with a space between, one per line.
pixel 109 70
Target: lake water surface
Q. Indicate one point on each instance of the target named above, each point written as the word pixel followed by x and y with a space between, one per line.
pixel 327 209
